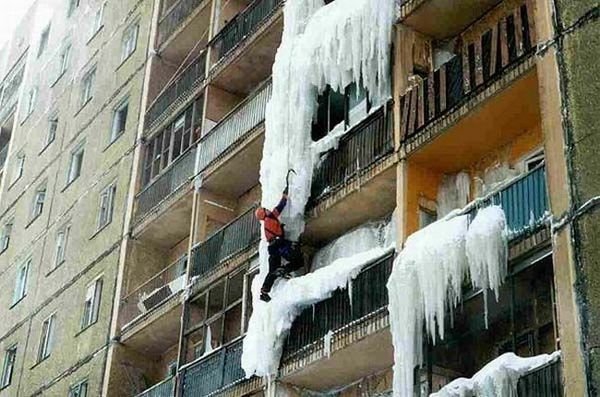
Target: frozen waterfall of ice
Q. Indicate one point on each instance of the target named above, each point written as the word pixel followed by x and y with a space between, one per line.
pixel 498 378
pixel 427 277
pixel 336 44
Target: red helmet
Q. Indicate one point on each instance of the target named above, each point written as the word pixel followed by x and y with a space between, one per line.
pixel 260 213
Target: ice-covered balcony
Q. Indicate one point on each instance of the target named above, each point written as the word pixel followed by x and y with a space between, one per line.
pixel 544 381
pixel 343 338
pixel 226 247
pixel 441 19
pixel 182 24
pixel 9 89
pixel 491 78
pixel 230 152
pixel 356 180
pixel 243 50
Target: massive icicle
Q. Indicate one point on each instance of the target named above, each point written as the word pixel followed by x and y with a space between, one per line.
pixel 343 42
pixel 427 277
pixel 498 378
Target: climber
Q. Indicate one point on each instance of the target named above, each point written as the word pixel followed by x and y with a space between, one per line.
pixel 279 246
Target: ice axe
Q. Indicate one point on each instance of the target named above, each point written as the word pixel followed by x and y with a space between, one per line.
pixel 287 178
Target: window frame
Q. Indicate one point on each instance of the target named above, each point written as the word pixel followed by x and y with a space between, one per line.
pixel 44 38
pixel 38 206
pixel 21 284
pixel 77 387
pixel 91 310
pixel 116 131
pixel 75 164
pixel 5 238
pixel 109 192
pixel 47 336
pixel 52 129
pixel 20 168
pixel 87 86
pixel 129 40
pixel 31 100
pixel 64 60
pixel 8 366
pixel 98 20
pixel 60 250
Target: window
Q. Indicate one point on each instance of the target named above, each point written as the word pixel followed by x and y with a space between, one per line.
pixel 10 356
pixel 19 167
pixel 38 202
pixel 75 165
pixel 169 144
pixel 73 4
pixel 30 101
pixel 129 41
pixel 43 41
pixel 87 85
pixel 6 231
pixel 91 306
pixel 98 19
pixel 47 338
pixel 63 60
pixel 52 128
pixel 62 239
pixel 79 389
pixel 119 120
pixel 534 160
pixel 107 201
pixel 21 282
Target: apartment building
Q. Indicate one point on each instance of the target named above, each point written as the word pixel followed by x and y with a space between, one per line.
pixel 71 89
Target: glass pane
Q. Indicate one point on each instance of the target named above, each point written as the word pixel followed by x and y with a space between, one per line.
pixel 197 312
pixel 214 333
pixel 236 286
pixel 233 323
pixel 215 299
pixel 196 345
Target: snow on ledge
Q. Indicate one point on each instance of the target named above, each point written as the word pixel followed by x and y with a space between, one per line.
pixel 498 378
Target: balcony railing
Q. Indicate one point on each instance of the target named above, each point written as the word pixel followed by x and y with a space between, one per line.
pixel 176 176
pixel 367 143
pixel 228 241
pixel 482 62
pixel 214 372
pixel 368 297
pixel 154 292
pixel 240 121
pixel 166 388
pixel 10 89
pixel 524 201
pixel 242 25
pixel 545 381
pixel 177 92
pixel 174 17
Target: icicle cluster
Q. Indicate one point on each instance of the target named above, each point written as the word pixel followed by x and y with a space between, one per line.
pixel 498 378
pixel 336 44
pixel 427 277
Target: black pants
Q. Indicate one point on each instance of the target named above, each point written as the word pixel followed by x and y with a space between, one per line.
pixel 282 248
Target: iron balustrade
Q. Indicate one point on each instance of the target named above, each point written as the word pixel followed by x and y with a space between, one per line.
pixel 233 238
pixel 154 292
pixel 229 131
pixel 176 92
pixel 216 371
pixel 176 176
pixel 166 388
pixel 242 25
pixel 545 381
pixel 364 145
pixel 174 18
pixel 368 295
pixel 481 63
pixel 524 201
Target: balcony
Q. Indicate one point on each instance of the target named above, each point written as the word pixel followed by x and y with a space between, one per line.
pixel 359 170
pixel 225 244
pixel 165 388
pixel 176 94
pixel 493 76
pixel 252 37
pixel 545 381
pixel 524 201
pixel 218 371
pixel 168 184
pixel 178 20
pixel 441 19
pixel 346 329
pixel 9 90
pixel 231 152
pixel 154 292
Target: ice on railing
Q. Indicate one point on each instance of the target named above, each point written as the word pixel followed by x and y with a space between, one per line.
pixel 427 278
pixel 499 378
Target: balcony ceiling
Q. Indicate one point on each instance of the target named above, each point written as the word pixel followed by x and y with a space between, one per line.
pixel 494 123
pixel 251 62
pixel 443 19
